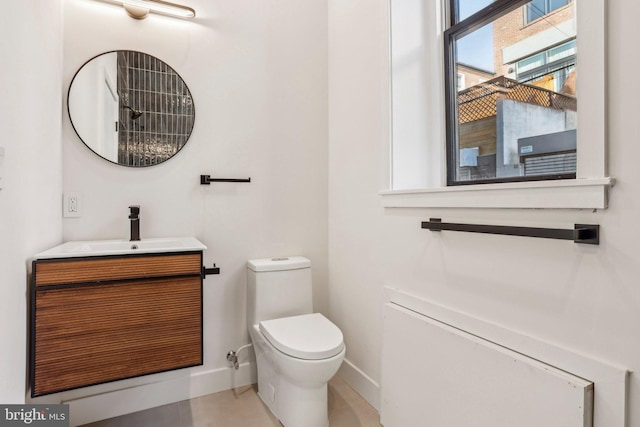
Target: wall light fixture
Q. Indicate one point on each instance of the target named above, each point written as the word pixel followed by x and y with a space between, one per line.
pixel 139 9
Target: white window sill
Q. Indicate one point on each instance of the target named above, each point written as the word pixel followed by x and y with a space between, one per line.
pixel 583 193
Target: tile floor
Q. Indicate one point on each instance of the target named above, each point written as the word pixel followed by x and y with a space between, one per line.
pixel 243 408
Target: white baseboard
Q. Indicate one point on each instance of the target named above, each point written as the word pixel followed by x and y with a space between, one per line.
pixel 84 410
pixel 361 383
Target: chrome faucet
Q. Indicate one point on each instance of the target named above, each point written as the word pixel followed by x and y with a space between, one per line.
pixel 134 217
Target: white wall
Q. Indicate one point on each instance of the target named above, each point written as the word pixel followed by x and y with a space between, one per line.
pixel 358 169
pixel 585 299
pixel 411 48
pixel 258 75
pixel 30 202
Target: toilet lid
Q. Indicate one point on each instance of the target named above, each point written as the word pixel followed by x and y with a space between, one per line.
pixel 309 336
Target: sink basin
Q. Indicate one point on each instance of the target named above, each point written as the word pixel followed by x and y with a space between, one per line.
pixel 122 247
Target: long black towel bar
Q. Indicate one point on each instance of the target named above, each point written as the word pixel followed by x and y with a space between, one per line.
pixel 581 233
pixel 206 179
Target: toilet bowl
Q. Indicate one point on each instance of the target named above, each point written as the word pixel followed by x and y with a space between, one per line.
pixel 297 351
pixel 295 388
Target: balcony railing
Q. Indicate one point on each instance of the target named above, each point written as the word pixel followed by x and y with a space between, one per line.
pixel 480 101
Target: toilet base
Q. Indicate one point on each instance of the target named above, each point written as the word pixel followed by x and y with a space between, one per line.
pixel 310 408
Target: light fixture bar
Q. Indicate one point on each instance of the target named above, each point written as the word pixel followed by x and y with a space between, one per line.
pixel 163 7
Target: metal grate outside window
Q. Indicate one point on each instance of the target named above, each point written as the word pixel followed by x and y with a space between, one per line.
pixel 550 164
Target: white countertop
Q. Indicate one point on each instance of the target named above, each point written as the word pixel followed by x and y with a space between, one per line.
pixel 121 247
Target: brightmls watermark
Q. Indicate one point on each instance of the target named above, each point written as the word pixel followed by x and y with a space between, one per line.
pixel 34 415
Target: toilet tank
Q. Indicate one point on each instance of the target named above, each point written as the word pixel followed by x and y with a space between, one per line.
pixel 278 287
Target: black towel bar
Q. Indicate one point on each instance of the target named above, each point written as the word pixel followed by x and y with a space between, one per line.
pixel 581 233
pixel 206 179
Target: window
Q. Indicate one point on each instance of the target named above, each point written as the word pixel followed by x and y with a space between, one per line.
pixel 418 172
pixel 550 68
pixel 460 81
pixel 520 123
pixel 538 8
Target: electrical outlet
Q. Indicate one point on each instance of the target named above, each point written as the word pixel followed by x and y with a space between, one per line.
pixel 72 205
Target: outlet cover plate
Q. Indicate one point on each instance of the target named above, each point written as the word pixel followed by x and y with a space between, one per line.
pixel 72 205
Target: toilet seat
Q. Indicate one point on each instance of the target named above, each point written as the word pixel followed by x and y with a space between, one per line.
pixel 308 336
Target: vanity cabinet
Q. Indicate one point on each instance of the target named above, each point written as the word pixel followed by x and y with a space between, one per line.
pixel 106 318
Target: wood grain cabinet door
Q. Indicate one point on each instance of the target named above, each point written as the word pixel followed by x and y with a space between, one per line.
pixel 91 333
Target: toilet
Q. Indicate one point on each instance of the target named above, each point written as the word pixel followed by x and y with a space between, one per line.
pixel 297 351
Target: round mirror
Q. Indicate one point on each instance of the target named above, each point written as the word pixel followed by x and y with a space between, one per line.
pixel 130 108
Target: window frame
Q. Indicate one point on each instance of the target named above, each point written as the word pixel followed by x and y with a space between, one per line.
pixel 416 176
pixel 547 10
pixel 456 30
